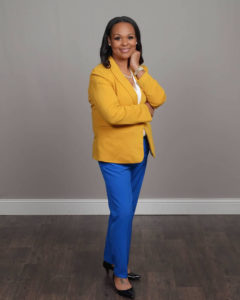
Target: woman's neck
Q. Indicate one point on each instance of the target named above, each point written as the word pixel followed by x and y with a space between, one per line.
pixel 122 63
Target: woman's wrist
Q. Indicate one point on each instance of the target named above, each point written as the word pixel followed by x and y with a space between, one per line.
pixel 140 73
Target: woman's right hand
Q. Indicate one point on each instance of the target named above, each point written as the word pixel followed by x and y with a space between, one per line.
pixel 151 109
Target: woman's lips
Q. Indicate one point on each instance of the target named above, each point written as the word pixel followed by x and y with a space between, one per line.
pixel 124 50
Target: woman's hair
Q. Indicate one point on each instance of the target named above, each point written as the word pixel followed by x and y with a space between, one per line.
pixel 106 50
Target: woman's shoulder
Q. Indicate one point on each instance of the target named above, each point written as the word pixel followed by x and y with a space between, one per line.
pixel 100 69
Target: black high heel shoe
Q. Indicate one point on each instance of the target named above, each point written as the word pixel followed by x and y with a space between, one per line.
pixel 131 275
pixel 129 293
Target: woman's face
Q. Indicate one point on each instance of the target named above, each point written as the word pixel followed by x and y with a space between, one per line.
pixel 123 40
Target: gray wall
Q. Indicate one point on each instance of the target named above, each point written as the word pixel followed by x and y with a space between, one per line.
pixel 47 50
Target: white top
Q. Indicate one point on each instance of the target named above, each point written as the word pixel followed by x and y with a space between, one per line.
pixel 139 94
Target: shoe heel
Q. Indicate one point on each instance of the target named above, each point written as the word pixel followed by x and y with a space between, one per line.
pixel 107 266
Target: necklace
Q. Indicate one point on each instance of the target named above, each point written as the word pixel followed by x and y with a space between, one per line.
pixel 128 75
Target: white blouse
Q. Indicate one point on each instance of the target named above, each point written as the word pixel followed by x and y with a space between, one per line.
pixel 138 91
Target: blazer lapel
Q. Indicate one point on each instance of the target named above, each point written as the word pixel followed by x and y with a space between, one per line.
pixel 124 81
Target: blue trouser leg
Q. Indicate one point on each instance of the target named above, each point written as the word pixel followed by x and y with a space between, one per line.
pixel 138 172
pixel 107 250
pixel 123 183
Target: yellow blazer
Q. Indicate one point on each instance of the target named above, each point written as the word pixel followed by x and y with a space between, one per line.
pixel 117 118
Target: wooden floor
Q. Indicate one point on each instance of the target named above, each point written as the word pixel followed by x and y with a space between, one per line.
pixel 180 257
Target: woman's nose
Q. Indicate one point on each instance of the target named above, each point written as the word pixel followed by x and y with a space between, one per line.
pixel 124 41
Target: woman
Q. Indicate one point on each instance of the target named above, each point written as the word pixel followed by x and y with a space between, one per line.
pixel 123 97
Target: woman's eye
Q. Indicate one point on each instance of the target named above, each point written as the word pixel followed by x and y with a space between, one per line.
pixel 118 38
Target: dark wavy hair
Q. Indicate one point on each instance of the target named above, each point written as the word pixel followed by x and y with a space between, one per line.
pixel 106 50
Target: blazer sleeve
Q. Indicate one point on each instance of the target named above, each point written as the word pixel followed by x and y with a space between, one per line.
pixel 102 95
pixel 155 94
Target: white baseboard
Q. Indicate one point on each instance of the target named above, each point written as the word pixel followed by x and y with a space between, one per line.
pixel 167 206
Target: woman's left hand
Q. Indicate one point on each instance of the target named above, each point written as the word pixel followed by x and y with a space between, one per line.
pixel 150 105
pixel 134 60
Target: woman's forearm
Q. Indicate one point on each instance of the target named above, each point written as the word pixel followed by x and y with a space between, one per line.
pixel 155 94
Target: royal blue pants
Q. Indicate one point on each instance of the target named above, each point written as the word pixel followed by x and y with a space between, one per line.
pixel 123 184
